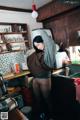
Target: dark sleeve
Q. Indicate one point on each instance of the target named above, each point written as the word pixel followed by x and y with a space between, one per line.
pixel 41 60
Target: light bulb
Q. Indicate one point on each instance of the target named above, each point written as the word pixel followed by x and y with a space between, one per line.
pixel 34 14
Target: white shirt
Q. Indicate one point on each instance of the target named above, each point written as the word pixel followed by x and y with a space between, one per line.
pixel 60 57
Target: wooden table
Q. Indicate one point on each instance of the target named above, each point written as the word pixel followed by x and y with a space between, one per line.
pixel 10 76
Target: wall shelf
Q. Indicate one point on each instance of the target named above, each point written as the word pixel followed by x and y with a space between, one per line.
pixel 21 32
pixel 13 36
pixel 13 42
pixel 5 52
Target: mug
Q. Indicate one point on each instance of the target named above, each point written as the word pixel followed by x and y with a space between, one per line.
pixel 24 66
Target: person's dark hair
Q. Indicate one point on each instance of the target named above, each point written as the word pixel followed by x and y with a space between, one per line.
pixel 37 39
pixel 62 47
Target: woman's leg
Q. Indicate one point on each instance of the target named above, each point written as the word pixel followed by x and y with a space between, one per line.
pixel 36 99
pixel 45 86
pixel 36 89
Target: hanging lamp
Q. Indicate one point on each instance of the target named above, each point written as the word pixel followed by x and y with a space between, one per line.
pixel 34 11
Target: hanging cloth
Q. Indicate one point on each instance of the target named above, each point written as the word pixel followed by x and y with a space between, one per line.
pixel 49 50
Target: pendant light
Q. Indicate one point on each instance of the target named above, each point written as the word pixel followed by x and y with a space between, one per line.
pixel 34 11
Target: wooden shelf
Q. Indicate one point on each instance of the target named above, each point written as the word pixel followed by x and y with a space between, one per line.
pixel 22 32
pixel 5 52
pixel 2 43
pixel 11 76
pixel 17 42
pixel 11 34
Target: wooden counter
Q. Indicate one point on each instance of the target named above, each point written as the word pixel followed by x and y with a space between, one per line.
pixel 10 76
pixel 57 71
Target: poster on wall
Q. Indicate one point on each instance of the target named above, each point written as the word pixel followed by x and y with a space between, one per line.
pixel 75 54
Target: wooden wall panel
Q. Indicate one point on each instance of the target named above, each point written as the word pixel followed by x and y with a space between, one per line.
pixel 59 29
pixel 63 20
pixel 51 9
pixel 65 27
pixel 44 12
pixel 74 26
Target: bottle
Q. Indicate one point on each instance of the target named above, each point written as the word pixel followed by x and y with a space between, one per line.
pixel 67 71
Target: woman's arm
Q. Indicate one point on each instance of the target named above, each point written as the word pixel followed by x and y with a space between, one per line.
pixel 41 60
